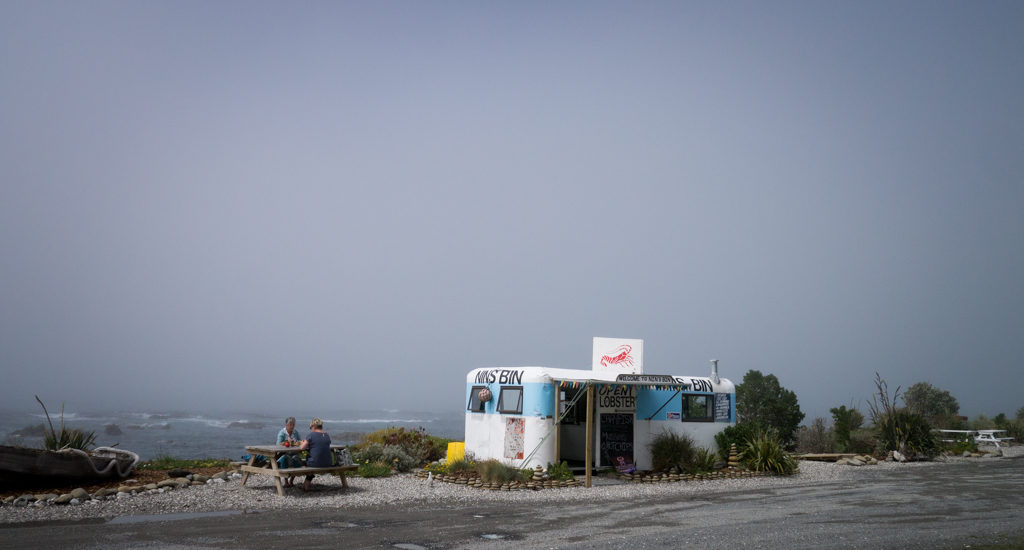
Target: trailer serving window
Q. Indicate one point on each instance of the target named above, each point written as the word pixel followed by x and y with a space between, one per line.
pixel 475 405
pixel 511 400
pixel 698 408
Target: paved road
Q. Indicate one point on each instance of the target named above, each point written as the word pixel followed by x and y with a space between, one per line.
pixel 948 506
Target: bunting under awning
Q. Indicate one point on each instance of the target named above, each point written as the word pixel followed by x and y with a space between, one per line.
pixel 571 383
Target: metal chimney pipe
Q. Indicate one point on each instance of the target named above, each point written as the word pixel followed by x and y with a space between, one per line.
pixel 714 371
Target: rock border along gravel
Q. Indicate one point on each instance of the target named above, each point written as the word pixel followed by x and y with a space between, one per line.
pixel 259 494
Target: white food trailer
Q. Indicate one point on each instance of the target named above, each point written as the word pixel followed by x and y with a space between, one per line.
pixel 606 416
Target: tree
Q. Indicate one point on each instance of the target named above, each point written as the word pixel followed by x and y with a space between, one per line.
pixel 931 402
pixel 1020 413
pixel 846 421
pixel 762 399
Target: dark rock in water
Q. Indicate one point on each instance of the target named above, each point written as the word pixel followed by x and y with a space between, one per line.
pixel 30 431
pixel 246 425
pixel 178 472
pixel 111 429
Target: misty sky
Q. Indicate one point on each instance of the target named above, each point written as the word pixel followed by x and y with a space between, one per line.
pixel 214 204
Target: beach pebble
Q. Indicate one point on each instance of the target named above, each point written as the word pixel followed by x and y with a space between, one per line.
pixel 63 499
pixel 80 494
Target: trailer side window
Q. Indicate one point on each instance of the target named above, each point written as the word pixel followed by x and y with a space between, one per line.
pixel 511 400
pixel 698 408
pixel 475 405
pixel 578 413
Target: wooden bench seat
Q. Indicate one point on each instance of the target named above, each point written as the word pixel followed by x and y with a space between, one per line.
pixel 281 473
pixel 302 471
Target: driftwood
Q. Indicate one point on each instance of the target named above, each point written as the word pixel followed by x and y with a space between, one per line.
pixel 825 457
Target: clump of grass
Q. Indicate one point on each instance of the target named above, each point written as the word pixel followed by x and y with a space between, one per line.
pixel 704 460
pixel 672 450
pixel 765 453
pixel 492 471
pixel 66 438
pixel 458 466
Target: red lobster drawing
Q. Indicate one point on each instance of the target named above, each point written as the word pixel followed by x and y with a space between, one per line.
pixel 621 357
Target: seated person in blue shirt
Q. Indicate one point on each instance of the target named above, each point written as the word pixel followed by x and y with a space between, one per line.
pixel 292 437
pixel 318 443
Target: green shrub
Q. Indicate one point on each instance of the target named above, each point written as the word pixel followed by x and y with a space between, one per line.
pixel 672 450
pixel 370 452
pixel 738 435
pixel 398 458
pixel 493 471
pixel 765 453
pixel 374 469
pixel 417 443
pixel 899 429
pixel 906 432
pixel 964 444
pixel 559 471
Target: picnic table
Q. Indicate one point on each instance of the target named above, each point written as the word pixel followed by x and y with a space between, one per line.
pixel 274 452
pixel 979 436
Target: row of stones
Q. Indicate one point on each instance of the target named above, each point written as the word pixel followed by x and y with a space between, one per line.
pixel 539 480
pixel 81 496
pixel 672 477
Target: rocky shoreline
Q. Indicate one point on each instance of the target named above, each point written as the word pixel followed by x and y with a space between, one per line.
pixel 224 493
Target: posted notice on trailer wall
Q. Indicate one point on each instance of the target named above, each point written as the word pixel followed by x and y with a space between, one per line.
pixel 618 355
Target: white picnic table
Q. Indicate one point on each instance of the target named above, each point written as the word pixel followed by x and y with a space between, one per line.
pixel 979 436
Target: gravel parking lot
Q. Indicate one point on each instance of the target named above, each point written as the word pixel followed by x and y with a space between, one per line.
pixel 915 505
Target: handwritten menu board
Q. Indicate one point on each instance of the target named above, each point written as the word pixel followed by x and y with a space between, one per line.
pixel 617 439
pixel 723 407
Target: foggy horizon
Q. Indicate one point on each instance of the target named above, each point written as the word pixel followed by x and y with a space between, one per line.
pixel 333 206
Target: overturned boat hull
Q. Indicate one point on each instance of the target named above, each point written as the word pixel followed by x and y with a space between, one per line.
pixel 24 466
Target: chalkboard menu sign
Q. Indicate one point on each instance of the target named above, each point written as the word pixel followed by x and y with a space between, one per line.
pixel 617 439
pixel 723 408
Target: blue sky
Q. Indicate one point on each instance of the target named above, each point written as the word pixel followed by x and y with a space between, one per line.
pixel 216 203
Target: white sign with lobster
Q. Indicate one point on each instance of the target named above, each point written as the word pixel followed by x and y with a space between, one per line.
pixel 618 355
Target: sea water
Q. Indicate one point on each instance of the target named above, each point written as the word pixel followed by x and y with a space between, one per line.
pixel 219 435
